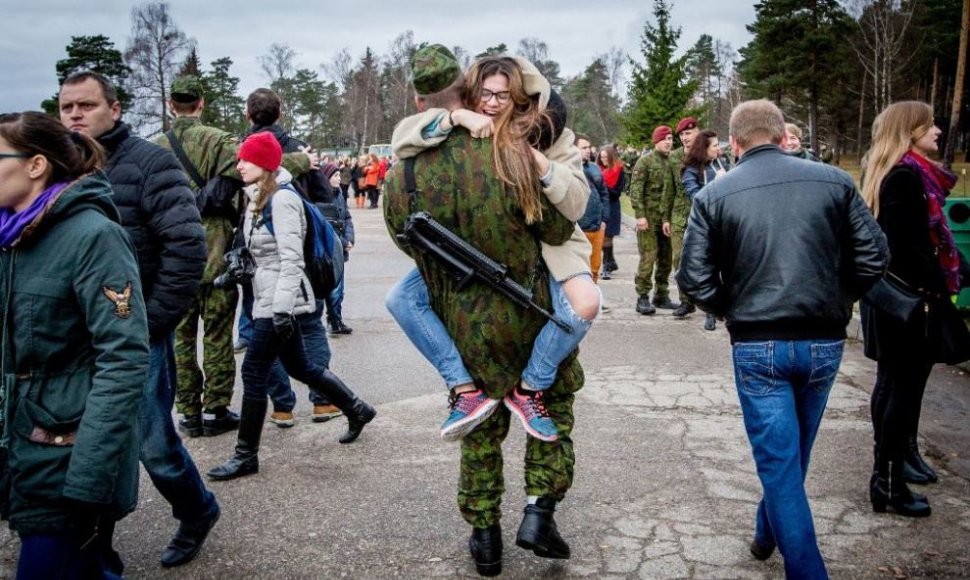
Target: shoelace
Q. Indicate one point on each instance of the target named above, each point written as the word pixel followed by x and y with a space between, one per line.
pixel 463 402
pixel 534 406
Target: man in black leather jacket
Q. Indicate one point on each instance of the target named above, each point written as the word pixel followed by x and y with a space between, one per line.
pixel 781 247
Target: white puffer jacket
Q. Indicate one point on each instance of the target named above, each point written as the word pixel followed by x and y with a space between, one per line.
pixel 280 284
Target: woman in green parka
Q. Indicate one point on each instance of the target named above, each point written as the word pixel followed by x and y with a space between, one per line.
pixel 74 351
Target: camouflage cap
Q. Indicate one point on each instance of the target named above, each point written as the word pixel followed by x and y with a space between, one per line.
pixel 434 69
pixel 187 89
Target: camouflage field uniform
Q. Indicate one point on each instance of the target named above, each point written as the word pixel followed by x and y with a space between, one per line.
pixel 494 336
pixel 652 178
pixel 213 152
pixel 677 207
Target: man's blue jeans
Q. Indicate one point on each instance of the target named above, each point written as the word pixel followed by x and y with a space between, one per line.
pixel 165 458
pixel 410 304
pixel 783 387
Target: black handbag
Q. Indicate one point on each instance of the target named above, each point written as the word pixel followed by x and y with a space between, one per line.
pixel 895 298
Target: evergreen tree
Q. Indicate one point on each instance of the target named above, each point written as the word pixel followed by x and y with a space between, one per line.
pixel 96 54
pixel 224 108
pixel 192 64
pixel 592 105
pixel 660 90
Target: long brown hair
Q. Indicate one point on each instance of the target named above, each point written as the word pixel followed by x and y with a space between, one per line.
pixel 894 131
pixel 697 155
pixel 514 125
pixel 612 158
pixel 70 155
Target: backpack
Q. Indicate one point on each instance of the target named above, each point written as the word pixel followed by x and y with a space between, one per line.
pixel 323 251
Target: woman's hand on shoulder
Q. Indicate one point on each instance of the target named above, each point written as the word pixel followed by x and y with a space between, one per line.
pixel 480 126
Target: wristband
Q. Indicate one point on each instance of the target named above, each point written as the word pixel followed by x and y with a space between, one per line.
pixel 546 179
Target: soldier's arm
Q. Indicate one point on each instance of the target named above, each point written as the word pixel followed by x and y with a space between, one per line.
pixel 414 134
pixel 638 188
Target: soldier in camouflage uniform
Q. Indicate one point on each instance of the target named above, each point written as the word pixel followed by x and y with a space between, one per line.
pixel 457 184
pixel 652 178
pixel 203 399
pixel 676 204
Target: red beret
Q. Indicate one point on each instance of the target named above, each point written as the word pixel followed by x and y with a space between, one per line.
pixel 661 133
pixel 262 149
pixel 685 124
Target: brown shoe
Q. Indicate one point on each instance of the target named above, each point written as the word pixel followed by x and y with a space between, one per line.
pixel 282 419
pixel 323 413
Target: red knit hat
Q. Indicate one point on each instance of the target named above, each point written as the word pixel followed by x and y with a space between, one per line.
pixel 685 124
pixel 262 149
pixel 661 133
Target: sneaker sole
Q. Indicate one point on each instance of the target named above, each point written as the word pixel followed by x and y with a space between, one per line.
pixel 283 424
pixel 326 417
pixel 525 424
pixel 461 428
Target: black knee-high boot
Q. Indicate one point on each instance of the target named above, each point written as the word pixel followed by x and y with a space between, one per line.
pixel 357 411
pixel 245 460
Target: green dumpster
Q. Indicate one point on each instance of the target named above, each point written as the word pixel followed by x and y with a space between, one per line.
pixel 957 211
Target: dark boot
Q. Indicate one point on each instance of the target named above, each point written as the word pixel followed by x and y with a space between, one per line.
pixel 485 545
pixel 220 421
pixel 643 305
pixel 664 302
pixel 187 542
pixel 683 310
pixel 888 489
pixel 358 412
pixel 609 262
pixel 337 326
pixel 915 469
pixel 539 533
pixel 191 425
pixel 244 461
pixel 710 323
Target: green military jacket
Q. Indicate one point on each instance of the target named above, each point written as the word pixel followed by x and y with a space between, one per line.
pixel 458 186
pixel 676 204
pixel 75 363
pixel 652 178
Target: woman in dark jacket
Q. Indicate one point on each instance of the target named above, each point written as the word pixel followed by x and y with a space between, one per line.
pixel 611 166
pixel 75 351
pixel 701 166
pixel 906 192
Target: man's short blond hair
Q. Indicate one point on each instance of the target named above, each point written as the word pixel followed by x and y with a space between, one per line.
pixel 756 123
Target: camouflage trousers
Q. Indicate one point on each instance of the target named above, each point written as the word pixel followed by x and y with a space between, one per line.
pixel 548 465
pixel 655 262
pixel 196 392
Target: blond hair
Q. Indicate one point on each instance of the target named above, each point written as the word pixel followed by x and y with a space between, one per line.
pixel 793 129
pixel 894 131
pixel 753 122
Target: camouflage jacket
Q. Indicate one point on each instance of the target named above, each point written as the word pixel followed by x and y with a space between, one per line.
pixel 652 177
pixel 676 204
pixel 458 186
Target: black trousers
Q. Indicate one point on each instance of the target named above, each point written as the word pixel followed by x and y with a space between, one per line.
pixel 896 402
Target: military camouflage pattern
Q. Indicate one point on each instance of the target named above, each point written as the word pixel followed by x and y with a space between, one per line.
pixel 652 178
pixel 494 336
pixel 196 392
pixel 186 89
pixel 676 203
pixel 434 69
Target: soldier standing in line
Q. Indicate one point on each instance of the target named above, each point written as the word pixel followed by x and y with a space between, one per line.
pixel 676 204
pixel 457 184
pixel 652 177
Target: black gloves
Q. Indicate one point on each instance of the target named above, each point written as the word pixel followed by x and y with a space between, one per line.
pixel 284 325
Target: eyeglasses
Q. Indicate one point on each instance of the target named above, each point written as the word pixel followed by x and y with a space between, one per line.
pixel 14 155
pixel 501 97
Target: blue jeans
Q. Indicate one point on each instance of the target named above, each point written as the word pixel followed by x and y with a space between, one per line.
pixel 783 387
pixel 165 458
pixel 335 302
pixel 246 313
pixel 410 305
pixel 47 556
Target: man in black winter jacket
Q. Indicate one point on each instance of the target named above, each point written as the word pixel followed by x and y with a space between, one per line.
pixel 158 211
pixel 781 247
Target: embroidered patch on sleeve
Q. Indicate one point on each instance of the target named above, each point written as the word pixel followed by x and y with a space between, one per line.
pixel 122 300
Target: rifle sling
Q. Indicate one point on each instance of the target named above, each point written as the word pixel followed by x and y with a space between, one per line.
pixel 187 165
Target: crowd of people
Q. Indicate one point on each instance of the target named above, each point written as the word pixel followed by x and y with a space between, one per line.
pixel 115 248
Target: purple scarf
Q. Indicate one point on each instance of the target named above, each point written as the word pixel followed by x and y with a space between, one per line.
pixel 13 224
pixel 938 181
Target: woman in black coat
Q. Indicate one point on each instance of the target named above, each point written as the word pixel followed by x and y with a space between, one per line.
pixel 906 192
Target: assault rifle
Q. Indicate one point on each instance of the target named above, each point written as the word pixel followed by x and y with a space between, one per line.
pixel 465 263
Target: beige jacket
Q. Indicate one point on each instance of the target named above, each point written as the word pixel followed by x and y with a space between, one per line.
pixel 568 190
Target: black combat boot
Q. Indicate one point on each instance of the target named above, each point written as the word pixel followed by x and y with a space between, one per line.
pixel 683 310
pixel 643 305
pixel 191 425
pixel 339 394
pixel 609 262
pixel 664 302
pixel 915 468
pixel 219 421
pixel 245 460
pixel 888 489
pixel 485 545
pixel 538 531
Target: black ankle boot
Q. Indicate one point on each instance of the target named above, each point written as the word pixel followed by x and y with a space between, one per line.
pixel 609 262
pixel 358 412
pixel 245 460
pixel 888 489
pixel 539 533
pixel 485 545
pixel 915 469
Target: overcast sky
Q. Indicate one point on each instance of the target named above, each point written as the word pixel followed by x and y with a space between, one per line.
pixel 34 34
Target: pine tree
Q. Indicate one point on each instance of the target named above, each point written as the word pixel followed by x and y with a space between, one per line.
pixel 192 64
pixel 95 54
pixel 592 105
pixel 224 108
pixel 660 90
